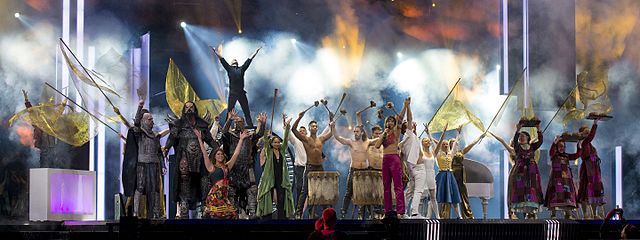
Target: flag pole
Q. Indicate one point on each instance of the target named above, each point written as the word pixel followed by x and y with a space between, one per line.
pixel 87 72
pixel 557 111
pixel 87 111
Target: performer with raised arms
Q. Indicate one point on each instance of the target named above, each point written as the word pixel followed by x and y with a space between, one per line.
pixel 243 186
pixel 524 190
pixel 591 190
pixel 410 148
pixel 275 186
pixel 391 163
pixel 358 148
pixel 236 84
pixel 561 192
pixel 461 179
pixel 143 164
pixel 313 147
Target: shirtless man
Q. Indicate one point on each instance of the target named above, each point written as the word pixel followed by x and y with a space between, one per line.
pixel 374 154
pixel 358 147
pixel 313 147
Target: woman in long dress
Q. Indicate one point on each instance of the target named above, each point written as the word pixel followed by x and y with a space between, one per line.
pixel 217 204
pixel 275 186
pixel 524 189
pixel 561 192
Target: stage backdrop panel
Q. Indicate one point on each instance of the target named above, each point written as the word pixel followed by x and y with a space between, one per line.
pixel 61 194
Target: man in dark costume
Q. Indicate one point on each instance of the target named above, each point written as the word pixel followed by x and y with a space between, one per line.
pixel 243 185
pixel 236 85
pixel 185 136
pixel 142 165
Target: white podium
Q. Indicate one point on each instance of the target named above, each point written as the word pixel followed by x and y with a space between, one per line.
pixel 61 194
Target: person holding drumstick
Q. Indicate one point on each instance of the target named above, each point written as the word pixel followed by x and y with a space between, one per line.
pixel 358 147
pixel 313 147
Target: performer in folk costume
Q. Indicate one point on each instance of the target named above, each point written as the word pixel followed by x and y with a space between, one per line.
pixel 217 203
pixel 591 189
pixel 524 191
pixel 143 164
pixel 275 186
pixel 236 84
pixel 313 147
pixel 561 193
pixel 186 134
pixel 243 187
pixel 358 148
pixel 391 163
pixel 461 179
pixel 448 192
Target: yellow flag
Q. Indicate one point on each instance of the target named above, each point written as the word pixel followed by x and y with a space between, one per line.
pixel 179 92
pixel 71 128
pixel 456 114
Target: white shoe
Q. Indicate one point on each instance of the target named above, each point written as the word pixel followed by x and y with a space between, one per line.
pixel 418 217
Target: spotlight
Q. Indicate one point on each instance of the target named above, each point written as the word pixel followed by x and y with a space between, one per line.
pixel 293 41
pixel 17 15
pixel 183 24
pixel 239 31
pixel 498 66
pixel 433 5
pixel 399 55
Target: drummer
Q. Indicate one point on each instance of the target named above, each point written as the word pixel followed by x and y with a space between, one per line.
pixel 313 147
pixel 358 147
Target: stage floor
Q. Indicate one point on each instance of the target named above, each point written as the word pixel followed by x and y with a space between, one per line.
pixel 300 229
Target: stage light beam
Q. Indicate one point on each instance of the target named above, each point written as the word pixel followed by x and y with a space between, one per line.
pixel 293 41
pixel 399 55
pixel 16 15
pixel 239 31
pixel 183 24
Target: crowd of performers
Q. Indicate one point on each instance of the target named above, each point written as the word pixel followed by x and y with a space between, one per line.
pixel 215 175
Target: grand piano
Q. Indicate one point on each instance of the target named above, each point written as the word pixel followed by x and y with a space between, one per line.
pixel 479 182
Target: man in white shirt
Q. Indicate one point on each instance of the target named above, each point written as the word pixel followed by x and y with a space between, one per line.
pixel 410 148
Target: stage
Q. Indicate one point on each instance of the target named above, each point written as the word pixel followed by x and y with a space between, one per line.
pixel 300 229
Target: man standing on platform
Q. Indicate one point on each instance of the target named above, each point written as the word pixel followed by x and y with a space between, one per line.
pixel 184 138
pixel 313 147
pixel 243 188
pixel 236 85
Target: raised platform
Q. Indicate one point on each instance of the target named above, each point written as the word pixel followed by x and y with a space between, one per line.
pixel 300 229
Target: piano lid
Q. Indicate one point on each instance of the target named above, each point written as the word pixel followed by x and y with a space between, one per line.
pixel 477 172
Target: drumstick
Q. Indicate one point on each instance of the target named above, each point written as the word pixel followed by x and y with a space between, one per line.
pixel 273 109
pixel 343 112
pixel 340 104
pixel 315 104
pixel 390 106
pixel 324 103
pixel 372 104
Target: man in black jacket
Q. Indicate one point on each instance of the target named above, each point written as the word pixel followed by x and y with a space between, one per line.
pixel 236 84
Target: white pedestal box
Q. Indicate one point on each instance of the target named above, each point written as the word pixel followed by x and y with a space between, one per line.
pixel 61 194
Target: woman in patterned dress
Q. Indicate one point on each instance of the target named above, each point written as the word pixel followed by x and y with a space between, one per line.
pixel 561 192
pixel 217 203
